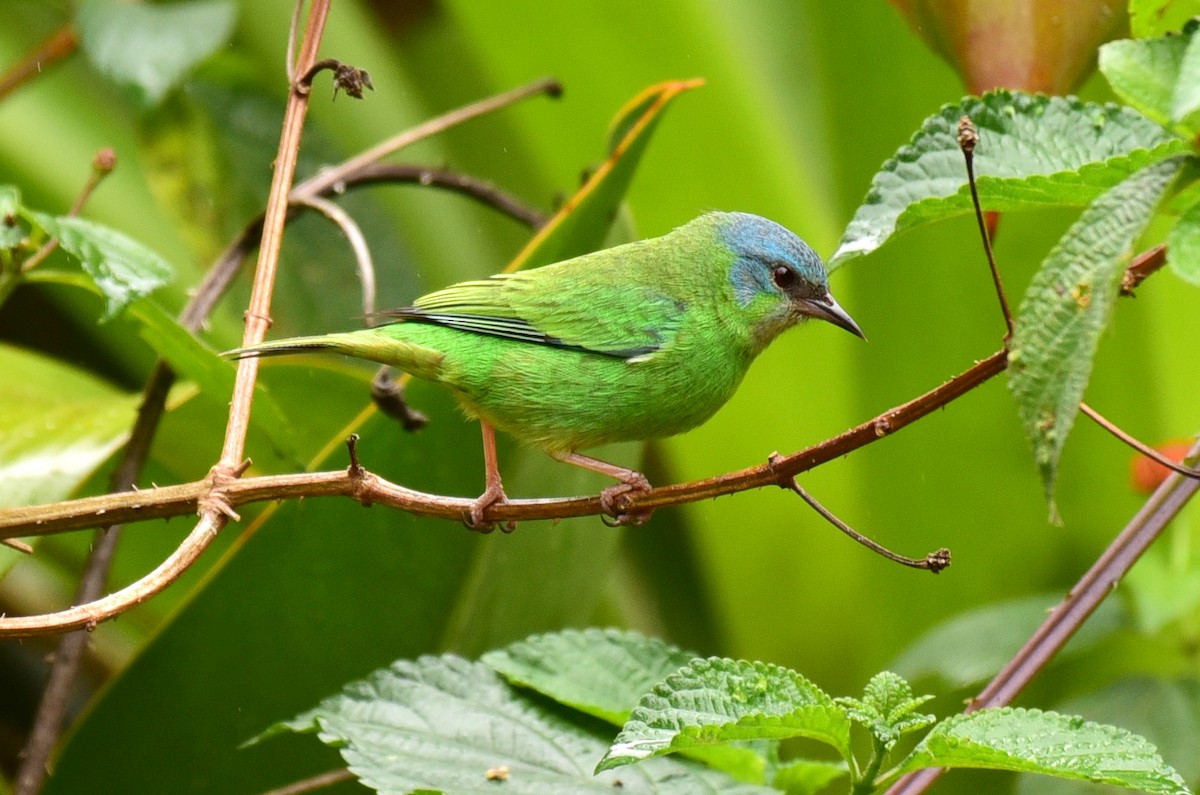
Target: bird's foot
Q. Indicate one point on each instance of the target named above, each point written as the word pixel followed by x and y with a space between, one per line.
pixel 474 520
pixel 615 501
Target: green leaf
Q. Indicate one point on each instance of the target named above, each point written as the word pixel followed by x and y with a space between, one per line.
pixel 1033 151
pixel 452 725
pixel 1144 72
pixel 805 776
pixel 1185 98
pixel 1066 307
pixel 1183 245
pixel 972 646
pixel 1156 17
pixel 886 709
pixel 720 700
pixel 581 224
pixel 57 425
pixel 602 672
pixel 122 268
pixel 1032 741
pixel 151 48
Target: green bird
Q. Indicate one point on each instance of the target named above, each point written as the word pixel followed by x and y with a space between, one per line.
pixel 636 342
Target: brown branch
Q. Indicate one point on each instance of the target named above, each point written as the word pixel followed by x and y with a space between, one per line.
pixel 61 44
pixel 168 501
pixel 968 138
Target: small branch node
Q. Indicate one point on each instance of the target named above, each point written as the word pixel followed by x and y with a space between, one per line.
pixel 214 500
pixel 248 315
pixel 346 78
pixel 355 470
pixel 388 395
pixel 882 427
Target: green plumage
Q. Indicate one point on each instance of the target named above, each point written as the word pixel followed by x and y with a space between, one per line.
pixel 636 342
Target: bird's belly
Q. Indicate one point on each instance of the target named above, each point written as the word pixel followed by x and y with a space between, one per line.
pixel 567 400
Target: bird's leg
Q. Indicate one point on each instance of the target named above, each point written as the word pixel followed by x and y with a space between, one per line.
pixel 614 498
pixel 493 491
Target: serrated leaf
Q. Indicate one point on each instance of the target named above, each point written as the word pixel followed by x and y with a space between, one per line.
pixel 602 672
pixel 720 700
pixel 1033 151
pixel 886 709
pixel 452 725
pixel 122 268
pixel 1155 17
pixel 806 776
pixel 972 646
pixel 1183 245
pixel 1068 305
pixel 1032 741
pixel 151 48
pixel 580 225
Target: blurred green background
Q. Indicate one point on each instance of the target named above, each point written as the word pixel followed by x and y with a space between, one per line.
pixel 803 102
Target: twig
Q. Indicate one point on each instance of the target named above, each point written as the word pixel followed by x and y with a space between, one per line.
pixel 967 140
pixel 102 165
pixel 1141 447
pixel 54 49
pixel 315 783
pixel 934 561
pixel 1099 581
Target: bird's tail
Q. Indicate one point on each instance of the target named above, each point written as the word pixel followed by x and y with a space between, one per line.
pixel 376 345
pixel 327 342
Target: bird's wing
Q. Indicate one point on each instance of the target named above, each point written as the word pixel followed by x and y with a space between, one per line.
pixel 626 321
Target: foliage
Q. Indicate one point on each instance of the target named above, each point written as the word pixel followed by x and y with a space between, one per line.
pixel 448 725
pixel 792 122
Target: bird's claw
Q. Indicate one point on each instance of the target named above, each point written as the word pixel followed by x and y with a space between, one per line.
pixel 474 520
pixel 615 501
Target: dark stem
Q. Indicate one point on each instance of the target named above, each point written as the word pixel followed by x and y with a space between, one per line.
pixel 934 561
pixel 967 139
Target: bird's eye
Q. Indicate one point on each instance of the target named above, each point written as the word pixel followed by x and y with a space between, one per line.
pixel 783 276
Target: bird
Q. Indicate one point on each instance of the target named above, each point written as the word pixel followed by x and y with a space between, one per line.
pixel 640 341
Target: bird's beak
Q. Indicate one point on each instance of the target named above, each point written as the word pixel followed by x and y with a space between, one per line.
pixel 828 309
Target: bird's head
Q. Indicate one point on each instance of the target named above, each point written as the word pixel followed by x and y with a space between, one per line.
pixel 777 277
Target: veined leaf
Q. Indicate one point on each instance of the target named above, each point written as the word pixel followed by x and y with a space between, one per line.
pixel 1160 77
pixel 451 725
pixel 1032 741
pixel 122 268
pixel 719 701
pixel 1033 151
pixel 602 672
pixel 1066 307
